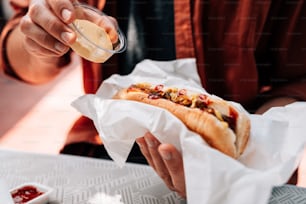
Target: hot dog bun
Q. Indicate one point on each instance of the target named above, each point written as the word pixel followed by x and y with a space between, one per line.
pixel 218 122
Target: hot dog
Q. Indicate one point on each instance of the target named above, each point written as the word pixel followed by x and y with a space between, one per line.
pixel 218 122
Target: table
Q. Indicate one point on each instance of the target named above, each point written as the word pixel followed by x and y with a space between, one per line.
pixel 76 179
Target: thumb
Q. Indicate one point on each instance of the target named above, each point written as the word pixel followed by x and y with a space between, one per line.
pixel 301 180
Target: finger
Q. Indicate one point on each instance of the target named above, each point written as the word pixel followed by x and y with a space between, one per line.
pixel 145 151
pixel 159 164
pixel 108 23
pixel 174 163
pixel 38 50
pixel 64 10
pixel 41 38
pixel 301 180
pixel 112 29
pixel 44 18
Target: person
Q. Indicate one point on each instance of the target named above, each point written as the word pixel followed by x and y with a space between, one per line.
pixel 251 52
pixel 167 161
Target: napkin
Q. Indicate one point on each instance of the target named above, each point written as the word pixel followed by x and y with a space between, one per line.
pixel 272 154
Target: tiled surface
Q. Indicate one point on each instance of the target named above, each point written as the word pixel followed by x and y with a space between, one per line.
pixel 288 194
pixel 37 118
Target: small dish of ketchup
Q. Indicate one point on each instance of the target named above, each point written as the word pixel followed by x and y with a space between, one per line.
pixel 31 193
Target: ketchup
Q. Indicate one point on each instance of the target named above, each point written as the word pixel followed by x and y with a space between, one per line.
pixel 25 194
pixel 159 87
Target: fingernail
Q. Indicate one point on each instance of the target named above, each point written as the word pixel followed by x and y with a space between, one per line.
pixel 66 14
pixel 139 144
pixel 166 155
pixel 60 47
pixel 66 36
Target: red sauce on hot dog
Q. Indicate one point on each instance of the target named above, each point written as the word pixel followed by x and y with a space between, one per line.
pixel 180 96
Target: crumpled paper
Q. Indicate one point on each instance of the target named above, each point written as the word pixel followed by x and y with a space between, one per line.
pixel 272 155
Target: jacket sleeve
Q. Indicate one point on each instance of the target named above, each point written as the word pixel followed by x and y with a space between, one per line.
pixel 20 9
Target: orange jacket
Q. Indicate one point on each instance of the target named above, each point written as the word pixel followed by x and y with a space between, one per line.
pixel 242 48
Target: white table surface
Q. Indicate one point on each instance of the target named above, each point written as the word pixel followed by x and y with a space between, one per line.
pixel 76 179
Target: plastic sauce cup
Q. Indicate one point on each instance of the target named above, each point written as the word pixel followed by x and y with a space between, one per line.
pixel 93 42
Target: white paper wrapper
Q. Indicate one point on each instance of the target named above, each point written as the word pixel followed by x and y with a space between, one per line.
pixel 272 154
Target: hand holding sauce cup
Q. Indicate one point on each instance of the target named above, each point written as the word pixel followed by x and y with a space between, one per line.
pixel 98 35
